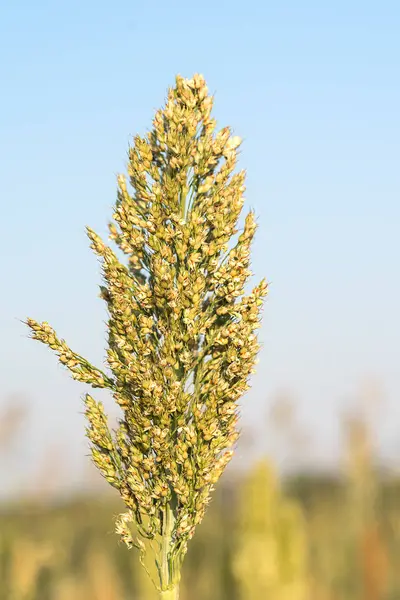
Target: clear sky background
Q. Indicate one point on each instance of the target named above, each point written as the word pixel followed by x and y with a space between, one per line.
pixel 312 87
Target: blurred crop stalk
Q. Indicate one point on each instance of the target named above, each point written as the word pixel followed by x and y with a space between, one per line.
pixel 271 548
pixel 367 549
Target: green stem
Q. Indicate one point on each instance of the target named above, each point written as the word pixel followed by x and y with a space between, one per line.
pixel 165 545
pixel 172 594
pixel 169 577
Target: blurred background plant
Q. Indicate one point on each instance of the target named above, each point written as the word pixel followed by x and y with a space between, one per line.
pixel 271 546
pixel 302 536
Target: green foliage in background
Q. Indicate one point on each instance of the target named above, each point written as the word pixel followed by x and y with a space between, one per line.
pixel 299 541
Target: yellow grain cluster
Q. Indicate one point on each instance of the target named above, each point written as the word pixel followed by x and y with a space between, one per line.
pixel 181 331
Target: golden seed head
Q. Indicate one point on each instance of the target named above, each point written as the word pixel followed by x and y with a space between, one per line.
pixel 181 332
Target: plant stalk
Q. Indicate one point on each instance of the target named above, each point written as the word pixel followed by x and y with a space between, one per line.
pixel 169 583
pixel 172 594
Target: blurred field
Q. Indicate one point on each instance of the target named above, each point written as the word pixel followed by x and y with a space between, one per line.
pixel 304 538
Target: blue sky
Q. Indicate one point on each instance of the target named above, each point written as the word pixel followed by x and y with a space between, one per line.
pixel 314 90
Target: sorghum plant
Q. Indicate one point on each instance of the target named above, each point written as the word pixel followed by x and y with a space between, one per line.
pixel 271 527
pixel 181 331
